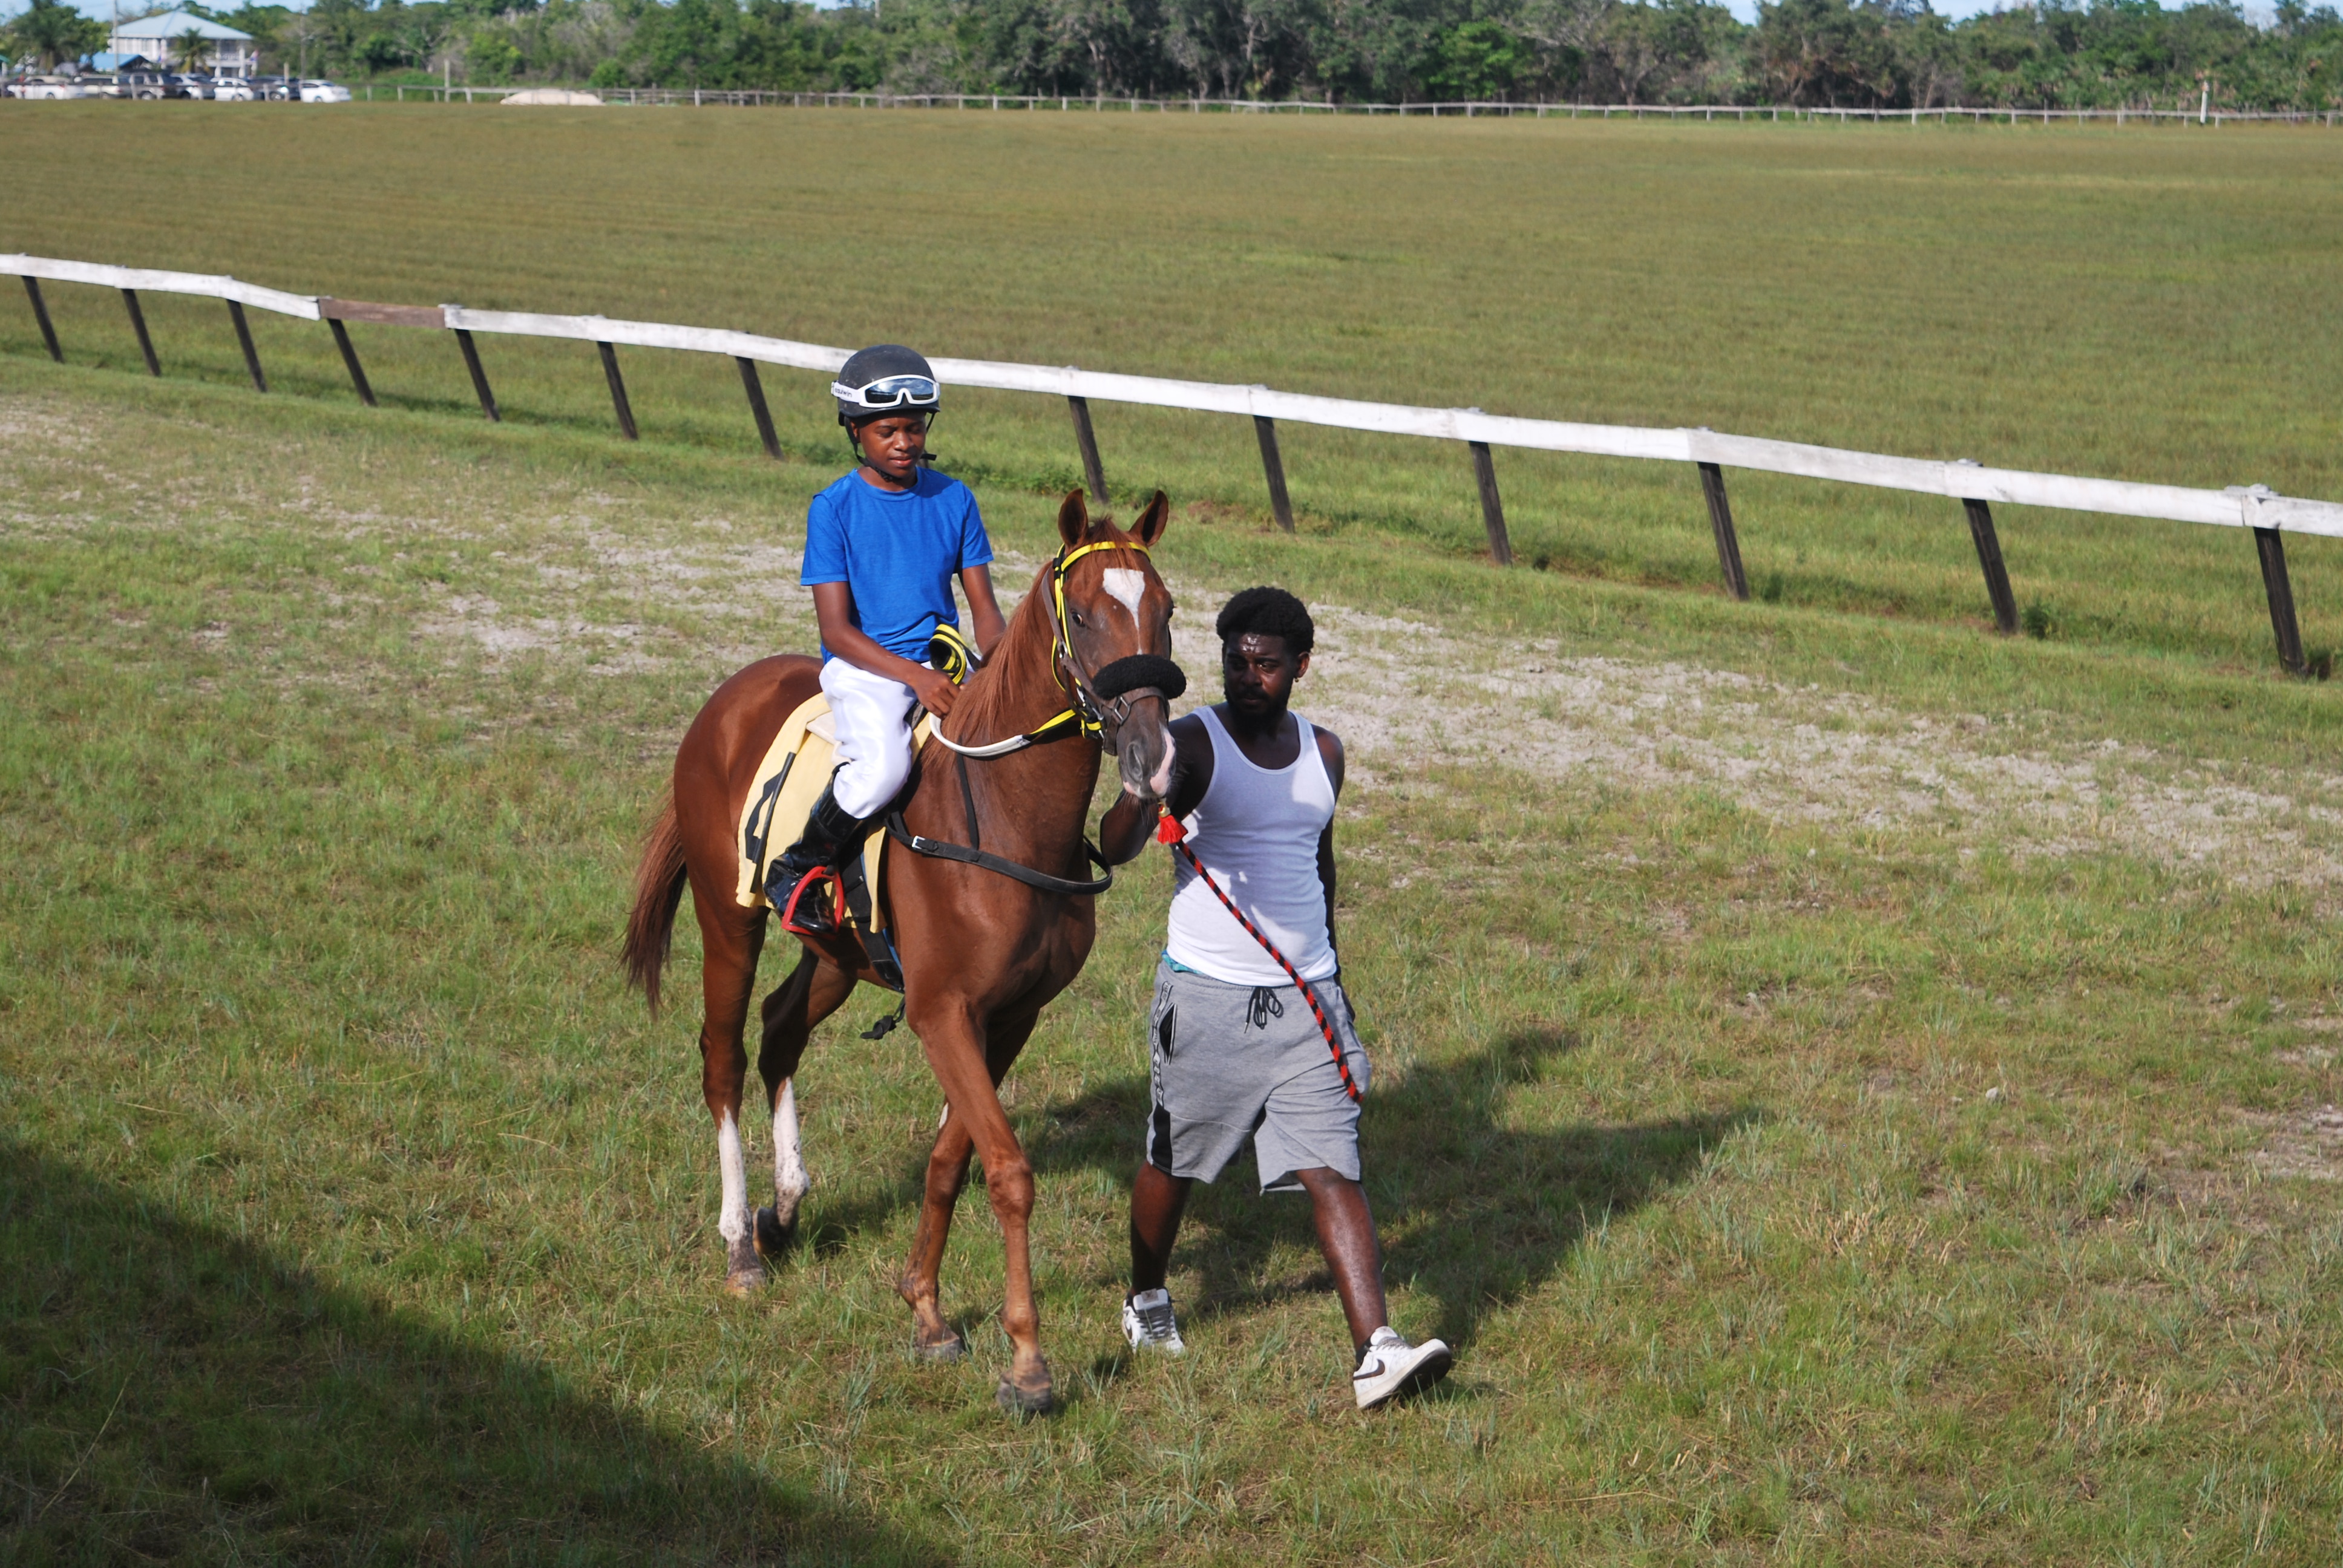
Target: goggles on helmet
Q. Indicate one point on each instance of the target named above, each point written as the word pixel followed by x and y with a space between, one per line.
pixel 888 392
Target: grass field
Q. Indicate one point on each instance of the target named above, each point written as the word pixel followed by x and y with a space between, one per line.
pixel 2148 305
pixel 1856 1089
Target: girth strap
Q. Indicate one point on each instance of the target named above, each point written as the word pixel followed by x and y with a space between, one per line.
pixel 975 855
pixel 941 850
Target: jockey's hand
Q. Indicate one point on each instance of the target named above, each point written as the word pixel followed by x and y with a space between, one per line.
pixel 935 691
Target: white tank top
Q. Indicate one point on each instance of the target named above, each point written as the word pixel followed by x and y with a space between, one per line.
pixel 1257 833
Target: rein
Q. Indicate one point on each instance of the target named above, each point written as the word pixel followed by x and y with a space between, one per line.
pixel 1090 711
pixel 975 854
pixel 1057 728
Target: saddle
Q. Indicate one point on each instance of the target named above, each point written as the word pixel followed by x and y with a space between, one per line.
pixel 791 777
pixel 797 767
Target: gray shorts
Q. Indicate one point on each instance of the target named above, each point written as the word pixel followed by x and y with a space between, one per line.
pixel 1229 1062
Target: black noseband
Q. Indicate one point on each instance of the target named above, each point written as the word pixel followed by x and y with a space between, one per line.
pixel 1140 670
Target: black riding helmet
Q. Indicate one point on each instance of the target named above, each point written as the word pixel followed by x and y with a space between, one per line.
pixel 882 379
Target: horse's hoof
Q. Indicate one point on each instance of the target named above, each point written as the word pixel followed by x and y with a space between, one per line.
pixel 745 1282
pixel 950 1350
pixel 772 1237
pixel 1025 1401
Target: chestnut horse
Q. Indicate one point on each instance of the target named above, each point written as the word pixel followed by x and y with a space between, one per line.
pixel 982 951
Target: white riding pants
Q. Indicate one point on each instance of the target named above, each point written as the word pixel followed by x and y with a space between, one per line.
pixel 871 716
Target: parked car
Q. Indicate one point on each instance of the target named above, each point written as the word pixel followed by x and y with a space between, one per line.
pixel 100 85
pixel 323 91
pixel 277 89
pixel 153 84
pixel 47 87
pixel 196 86
pixel 232 90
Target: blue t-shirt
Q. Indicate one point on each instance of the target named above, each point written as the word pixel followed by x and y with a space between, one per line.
pixel 897 551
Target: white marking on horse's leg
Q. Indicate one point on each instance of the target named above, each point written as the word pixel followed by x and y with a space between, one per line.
pixel 789 1177
pixel 732 1224
pixel 1129 586
pixel 943 1116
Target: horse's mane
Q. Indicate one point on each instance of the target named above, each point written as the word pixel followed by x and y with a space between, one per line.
pixel 991 704
pixel 1019 661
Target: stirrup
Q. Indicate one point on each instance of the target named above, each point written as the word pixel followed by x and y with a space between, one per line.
pixel 825 915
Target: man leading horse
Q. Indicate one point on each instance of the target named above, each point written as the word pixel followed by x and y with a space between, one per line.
pixel 1251 1036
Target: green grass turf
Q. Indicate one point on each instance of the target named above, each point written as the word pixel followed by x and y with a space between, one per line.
pixel 2149 304
pixel 350 1210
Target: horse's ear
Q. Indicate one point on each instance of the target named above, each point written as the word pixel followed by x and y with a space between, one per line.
pixel 1152 521
pixel 1073 519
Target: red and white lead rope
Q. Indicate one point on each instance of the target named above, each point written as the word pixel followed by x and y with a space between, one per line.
pixel 1170 831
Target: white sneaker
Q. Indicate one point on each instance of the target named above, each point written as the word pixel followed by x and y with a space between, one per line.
pixel 1148 1324
pixel 1392 1366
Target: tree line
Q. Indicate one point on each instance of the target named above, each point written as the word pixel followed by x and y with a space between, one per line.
pixel 1860 54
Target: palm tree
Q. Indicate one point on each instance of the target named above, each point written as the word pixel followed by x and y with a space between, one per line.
pixel 51 31
pixel 193 47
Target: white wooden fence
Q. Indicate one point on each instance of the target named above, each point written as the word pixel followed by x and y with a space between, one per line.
pixel 2253 507
pixel 1468 108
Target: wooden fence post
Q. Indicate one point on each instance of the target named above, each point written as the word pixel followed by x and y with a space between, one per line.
pixel 138 325
pixel 1997 576
pixel 1094 475
pixel 617 391
pixel 351 358
pixel 1281 505
pixel 244 341
pixel 1492 510
pixel 755 388
pixel 2281 598
pixel 40 315
pixel 479 377
pixel 1720 523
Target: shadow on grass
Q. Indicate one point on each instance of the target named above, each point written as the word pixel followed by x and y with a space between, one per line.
pixel 1473 1211
pixel 172 1391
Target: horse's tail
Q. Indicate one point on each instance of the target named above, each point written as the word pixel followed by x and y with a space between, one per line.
pixel 659 890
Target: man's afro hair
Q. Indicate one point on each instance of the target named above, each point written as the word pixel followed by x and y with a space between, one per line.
pixel 1268 612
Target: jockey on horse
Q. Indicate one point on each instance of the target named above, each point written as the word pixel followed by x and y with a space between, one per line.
pixel 882 546
pixel 991 909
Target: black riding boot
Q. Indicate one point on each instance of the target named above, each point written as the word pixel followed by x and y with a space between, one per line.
pixel 803 886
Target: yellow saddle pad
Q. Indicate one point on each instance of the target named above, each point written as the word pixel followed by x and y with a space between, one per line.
pixel 795 771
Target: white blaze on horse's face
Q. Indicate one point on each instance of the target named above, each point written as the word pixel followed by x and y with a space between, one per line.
pixel 1128 587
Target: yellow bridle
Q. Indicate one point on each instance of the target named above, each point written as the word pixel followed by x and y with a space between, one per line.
pixel 1084 714
pixel 1085 708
